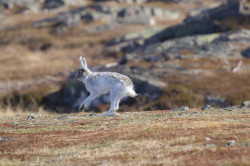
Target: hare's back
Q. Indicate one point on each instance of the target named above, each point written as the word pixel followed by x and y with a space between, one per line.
pixel 113 77
pixel 117 77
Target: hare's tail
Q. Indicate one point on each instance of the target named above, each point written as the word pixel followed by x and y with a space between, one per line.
pixel 131 92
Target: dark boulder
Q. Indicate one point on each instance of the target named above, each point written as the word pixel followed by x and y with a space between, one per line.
pixel 246 52
pixel 53 4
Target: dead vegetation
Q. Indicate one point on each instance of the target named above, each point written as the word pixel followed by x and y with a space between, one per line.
pixel 213 137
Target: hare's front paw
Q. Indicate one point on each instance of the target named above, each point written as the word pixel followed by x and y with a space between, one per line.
pixel 83 107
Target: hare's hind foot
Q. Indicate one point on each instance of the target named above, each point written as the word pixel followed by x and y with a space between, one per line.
pixel 113 113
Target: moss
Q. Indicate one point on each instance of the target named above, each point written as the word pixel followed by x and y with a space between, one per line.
pixel 27 100
pixel 237 99
pixel 176 95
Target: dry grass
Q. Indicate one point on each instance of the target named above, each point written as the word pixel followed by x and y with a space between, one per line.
pixel 146 138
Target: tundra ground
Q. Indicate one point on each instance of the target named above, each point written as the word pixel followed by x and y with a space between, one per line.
pixel 194 137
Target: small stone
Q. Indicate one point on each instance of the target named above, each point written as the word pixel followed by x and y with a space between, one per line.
pixel 229 108
pixel 15 123
pixel 34 116
pixel 182 108
pixel 5 139
pixel 53 4
pixel 211 145
pixel 208 139
pixel 230 143
pixel 246 53
pixel 90 115
pixel 206 107
pixel 245 104
pixel 63 117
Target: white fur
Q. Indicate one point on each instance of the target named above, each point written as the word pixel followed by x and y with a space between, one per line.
pixel 99 83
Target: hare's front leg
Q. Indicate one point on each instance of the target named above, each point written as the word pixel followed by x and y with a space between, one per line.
pixel 85 104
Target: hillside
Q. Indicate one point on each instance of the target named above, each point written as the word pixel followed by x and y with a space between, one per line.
pixel 177 52
pixel 194 137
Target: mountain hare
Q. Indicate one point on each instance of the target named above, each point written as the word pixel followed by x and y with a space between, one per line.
pixel 99 83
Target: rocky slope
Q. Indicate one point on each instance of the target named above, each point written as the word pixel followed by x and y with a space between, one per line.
pixel 177 52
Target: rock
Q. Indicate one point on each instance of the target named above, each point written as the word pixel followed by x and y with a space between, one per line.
pixel 143 19
pixel 197 46
pixel 246 52
pixel 245 104
pixel 5 5
pixel 63 117
pixel 210 145
pixel 101 28
pixel 145 15
pixel 207 107
pixel 230 108
pixel 224 11
pixel 73 17
pixel 53 4
pixel 244 7
pixel 31 5
pixel 132 1
pixel 90 115
pixel 230 143
pixel 33 116
pixel 5 139
pixel 186 29
pixel 208 139
pixel 215 100
pixel 182 108
pixel 130 42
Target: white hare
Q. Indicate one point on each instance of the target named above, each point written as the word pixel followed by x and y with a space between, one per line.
pixel 99 83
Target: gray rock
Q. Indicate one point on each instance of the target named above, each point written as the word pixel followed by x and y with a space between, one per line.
pixel 207 107
pixel 73 17
pixel 5 5
pixel 90 115
pixel 215 100
pixel 230 108
pixel 145 14
pixel 15 123
pixel 182 108
pixel 198 46
pixel 245 104
pixel 246 52
pixel 5 139
pixel 101 28
pixel 53 4
pixel 224 11
pixel 186 29
pixel 132 1
pixel 244 7
pixel 208 139
pixel 63 117
pixel 230 143
pixel 130 42
pixel 140 19
pixel 34 116
pixel 32 5
pixel 210 145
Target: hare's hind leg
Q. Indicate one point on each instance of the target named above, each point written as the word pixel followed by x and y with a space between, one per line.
pixel 115 97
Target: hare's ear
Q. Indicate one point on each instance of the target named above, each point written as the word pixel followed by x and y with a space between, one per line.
pixel 83 63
